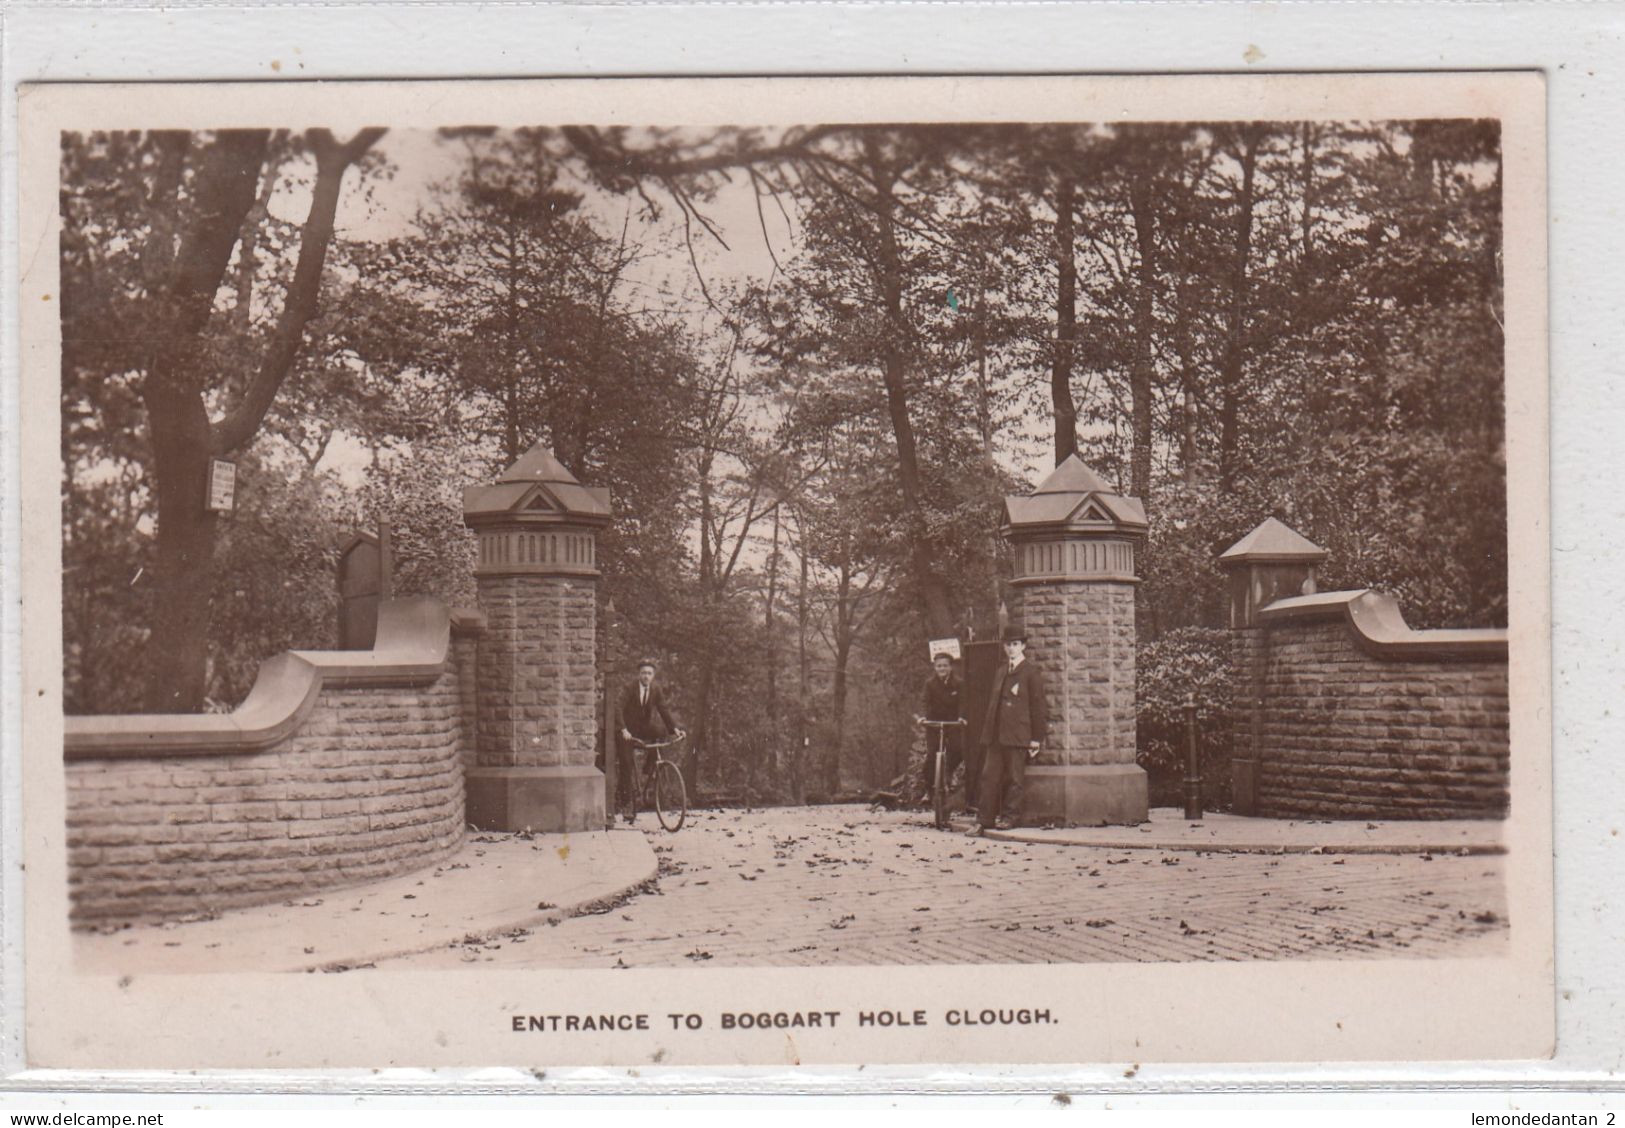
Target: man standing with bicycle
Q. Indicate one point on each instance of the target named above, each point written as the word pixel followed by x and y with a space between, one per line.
pixel 942 691
pixel 1017 722
pixel 645 718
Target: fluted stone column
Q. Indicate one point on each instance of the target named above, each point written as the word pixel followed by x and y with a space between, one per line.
pixel 1074 541
pixel 537 719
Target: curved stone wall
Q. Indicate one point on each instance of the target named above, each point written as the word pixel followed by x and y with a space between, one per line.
pixel 1355 715
pixel 340 767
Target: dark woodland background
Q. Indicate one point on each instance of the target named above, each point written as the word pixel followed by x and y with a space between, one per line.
pixel 1231 321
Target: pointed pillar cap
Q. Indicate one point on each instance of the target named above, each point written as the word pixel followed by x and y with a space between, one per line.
pixel 1074 499
pixel 1273 542
pixel 536 489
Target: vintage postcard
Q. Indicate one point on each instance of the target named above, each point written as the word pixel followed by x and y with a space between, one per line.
pixel 786 572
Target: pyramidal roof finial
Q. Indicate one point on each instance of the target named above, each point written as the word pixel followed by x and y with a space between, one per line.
pixel 1273 541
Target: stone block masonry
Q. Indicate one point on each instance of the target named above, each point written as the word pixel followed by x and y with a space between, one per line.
pixel 536 697
pixel 1073 542
pixel 341 768
pixel 1342 710
pixel 347 766
pixel 1082 637
pixel 1349 716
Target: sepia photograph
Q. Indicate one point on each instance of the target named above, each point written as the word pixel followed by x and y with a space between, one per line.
pixel 956 549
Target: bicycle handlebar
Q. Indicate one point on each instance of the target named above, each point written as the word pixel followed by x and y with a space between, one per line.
pixel 944 724
pixel 662 744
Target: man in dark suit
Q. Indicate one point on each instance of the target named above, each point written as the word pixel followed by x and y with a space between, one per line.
pixel 644 717
pixel 1017 722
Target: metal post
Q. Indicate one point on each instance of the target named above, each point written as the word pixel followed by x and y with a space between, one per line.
pixel 1193 763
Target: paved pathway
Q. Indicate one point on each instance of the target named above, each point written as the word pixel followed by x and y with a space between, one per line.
pixel 498 883
pixel 1167 829
pixel 841 885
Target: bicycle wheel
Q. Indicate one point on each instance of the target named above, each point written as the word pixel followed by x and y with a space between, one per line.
pixel 671 799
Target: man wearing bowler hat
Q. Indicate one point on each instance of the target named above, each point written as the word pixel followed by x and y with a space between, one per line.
pixel 1017 722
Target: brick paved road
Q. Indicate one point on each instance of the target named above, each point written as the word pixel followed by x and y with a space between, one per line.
pixel 839 885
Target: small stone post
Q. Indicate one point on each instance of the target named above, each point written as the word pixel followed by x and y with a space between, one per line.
pixel 1271 562
pixel 537 578
pixel 1074 541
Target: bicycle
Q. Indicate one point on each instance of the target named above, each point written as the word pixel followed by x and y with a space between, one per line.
pixel 665 780
pixel 939 777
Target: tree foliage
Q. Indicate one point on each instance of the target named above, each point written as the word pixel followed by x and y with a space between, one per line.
pixel 1232 321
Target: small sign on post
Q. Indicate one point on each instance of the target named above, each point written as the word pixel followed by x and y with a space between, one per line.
pixel 220 495
pixel 948 646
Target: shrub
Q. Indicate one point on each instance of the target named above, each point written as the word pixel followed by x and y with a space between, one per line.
pixel 1190 661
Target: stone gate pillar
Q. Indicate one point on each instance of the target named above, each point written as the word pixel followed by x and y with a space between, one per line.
pixel 1074 540
pixel 537 578
pixel 1272 562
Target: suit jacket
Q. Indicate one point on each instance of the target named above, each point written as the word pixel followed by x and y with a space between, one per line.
pixel 1016 712
pixel 942 704
pixel 942 699
pixel 650 722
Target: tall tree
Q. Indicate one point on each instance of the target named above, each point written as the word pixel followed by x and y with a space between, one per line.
pixel 198 192
pixel 1248 141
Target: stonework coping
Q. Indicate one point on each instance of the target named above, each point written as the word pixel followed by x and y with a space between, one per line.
pixel 1380 629
pixel 413 638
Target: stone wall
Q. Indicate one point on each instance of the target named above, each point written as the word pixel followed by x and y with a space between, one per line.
pixel 1347 713
pixel 341 767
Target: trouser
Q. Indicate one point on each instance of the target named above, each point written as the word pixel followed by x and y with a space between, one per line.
pixel 953 754
pixel 628 780
pixel 1004 766
pixel 975 759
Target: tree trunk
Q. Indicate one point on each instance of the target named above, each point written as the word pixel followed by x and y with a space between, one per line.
pixel 984 387
pixel 804 690
pixel 1236 327
pixel 222 192
pixel 510 347
pixel 702 720
pixel 183 440
pixel 242 313
pixel 1143 209
pixel 1183 350
pixel 843 651
pixel 1066 317
pixel 775 746
pixel 933 589
pixel 178 650
pixel 702 727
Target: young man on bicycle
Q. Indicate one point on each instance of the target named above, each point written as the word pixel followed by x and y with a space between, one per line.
pixel 645 718
pixel 942 691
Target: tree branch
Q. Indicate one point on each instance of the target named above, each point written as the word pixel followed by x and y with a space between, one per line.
pixel 332 161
